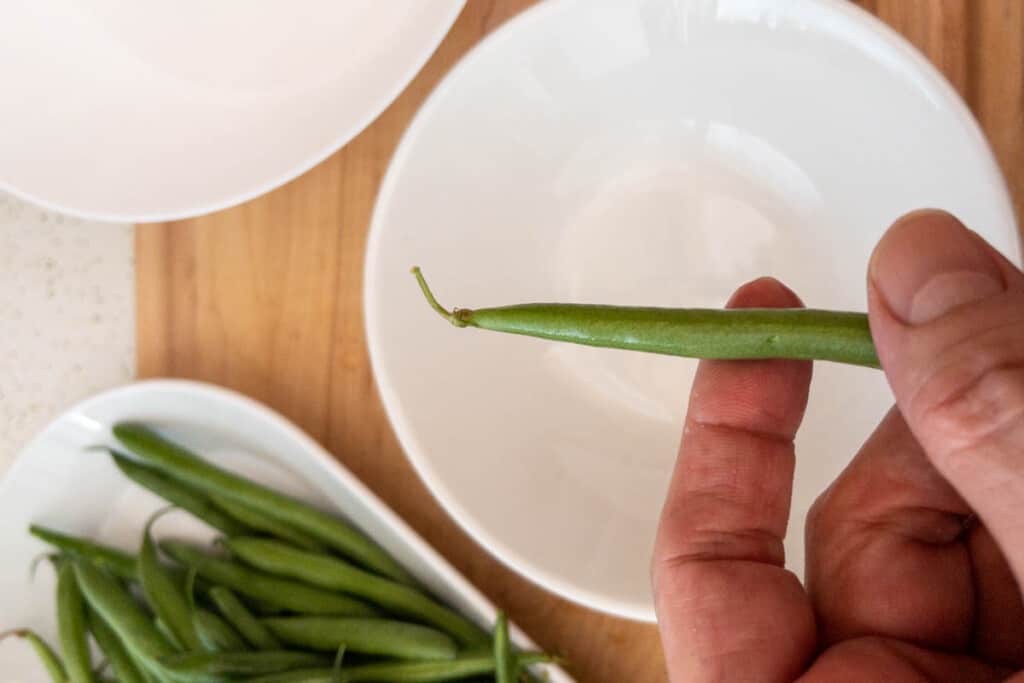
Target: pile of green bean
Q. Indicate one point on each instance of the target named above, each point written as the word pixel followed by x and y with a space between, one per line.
pixel 291 595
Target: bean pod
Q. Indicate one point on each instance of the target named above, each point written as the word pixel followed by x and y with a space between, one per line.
pixel 287 594
pixel 336 574
pixel 189 468
pixel 74 642
pixel 691 332
pixel 237 615
pixel 51 661
pixel 383 637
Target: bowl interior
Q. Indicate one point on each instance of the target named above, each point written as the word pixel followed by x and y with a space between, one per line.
pixel 648 153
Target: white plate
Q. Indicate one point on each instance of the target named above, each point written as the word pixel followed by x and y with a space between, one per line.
pixel 140 110
pixel 55 483
pixel 655 152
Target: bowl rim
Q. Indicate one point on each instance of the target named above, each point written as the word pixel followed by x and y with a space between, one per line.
pixel 937 85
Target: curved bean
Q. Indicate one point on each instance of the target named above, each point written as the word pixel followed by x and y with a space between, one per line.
pixel 383 637
pixel 504 663
pixel 111 646
pixel 236 614
pixel 189 468
pixel 74 641
pixel 336 574
pixel 691 332
pixel 178 494
pixel 288 594
pixel 225 666
pixel 45 653
pixel 117 562
pixel 260 522
pixel 164 593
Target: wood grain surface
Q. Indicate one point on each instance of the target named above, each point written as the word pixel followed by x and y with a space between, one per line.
pixel 266 298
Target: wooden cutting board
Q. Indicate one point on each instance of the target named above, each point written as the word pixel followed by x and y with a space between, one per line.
pixel 266 298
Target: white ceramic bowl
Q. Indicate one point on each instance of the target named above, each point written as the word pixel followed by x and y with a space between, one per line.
pixel 56 483
pixel 650 152
pixel 141 110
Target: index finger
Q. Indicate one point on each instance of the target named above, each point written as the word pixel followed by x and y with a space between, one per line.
pixel 727 608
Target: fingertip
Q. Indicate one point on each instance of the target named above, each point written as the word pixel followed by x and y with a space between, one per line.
pixel 764 292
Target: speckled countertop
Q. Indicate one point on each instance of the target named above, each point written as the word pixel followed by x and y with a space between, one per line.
pixel 67 312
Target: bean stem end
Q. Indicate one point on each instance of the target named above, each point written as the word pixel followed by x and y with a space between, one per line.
pixel 458 317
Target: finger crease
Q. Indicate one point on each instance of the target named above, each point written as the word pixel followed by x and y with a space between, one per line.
pixel 747 432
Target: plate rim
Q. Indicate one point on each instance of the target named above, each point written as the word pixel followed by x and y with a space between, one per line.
pixel 937 85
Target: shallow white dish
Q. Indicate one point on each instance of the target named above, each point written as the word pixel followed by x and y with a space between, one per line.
pixel 55 483
pixel 647 152
pixel 138 110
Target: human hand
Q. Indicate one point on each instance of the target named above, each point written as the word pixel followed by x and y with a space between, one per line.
pixel 915 553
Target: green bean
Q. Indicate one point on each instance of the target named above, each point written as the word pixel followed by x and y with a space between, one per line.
pixel 178 494
pixel 45 653
pixel 115 561
pixel 117 607
pixel 504 663
pixel 121 564
pixel 336 574
pixel 111 646
pixel 366 636
pixel 339 657
pixel 166 631
pixel 215 634
pixel 225 666
pixel 692 332
pixel 236 614
pixel 150 670
pixel 260 522
pixel 288 594
pixel 403 672
pixel 164 593
pixel 188 468
pixel 74 642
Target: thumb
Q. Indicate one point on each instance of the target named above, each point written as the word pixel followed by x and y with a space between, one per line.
pixel 947 316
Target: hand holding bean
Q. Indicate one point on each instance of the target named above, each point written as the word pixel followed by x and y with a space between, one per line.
pixel 915 553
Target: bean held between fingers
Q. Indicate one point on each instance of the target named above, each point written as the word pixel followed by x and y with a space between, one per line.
pixel 804 334
pixel 46 655
pixel 112 648
pixel 74 643
pixel 236 614
pixel 189 468
pixel 335 574
pixel 163 593
pixel 117 562
pixel 384 637
pixel 271 589
pixel 179 495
